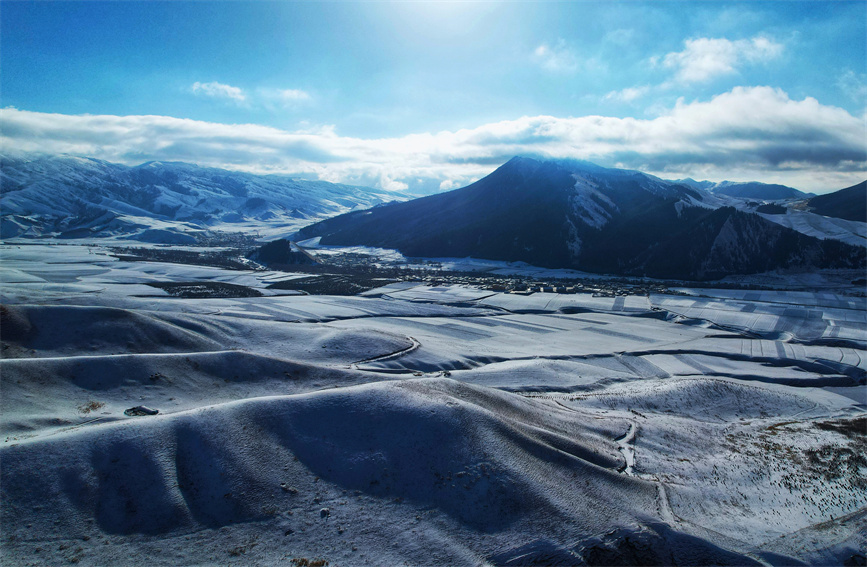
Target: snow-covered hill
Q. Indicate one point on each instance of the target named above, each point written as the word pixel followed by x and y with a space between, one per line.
pixel 72 197
pixel 422 425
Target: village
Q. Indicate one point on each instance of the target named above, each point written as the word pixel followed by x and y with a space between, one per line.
pixel 351 273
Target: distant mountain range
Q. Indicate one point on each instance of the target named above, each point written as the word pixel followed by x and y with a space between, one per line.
pixel 560 213
pixel 572 214
pixel 747 190
pixel 71 197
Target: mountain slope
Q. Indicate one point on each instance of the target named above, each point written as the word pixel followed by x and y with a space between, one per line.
pixel 570 214
pixel 746 190
pixel 501 217
pixel 73 197
pixel 506 215
pixel 849 203
pixel 755 190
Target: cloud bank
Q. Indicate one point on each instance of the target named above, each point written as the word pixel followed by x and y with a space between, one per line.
pixel 749 133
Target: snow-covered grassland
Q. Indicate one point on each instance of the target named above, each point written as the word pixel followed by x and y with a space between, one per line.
pixel 422 425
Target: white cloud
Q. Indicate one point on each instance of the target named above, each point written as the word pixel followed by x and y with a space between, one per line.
pixel 269 98
pixel 285 97
pixel 219 90
pixel 628 94
pixel 704 59
pixel 292 94
pixel 853 84
pixel 754 133
pixel 449 184
pixel 558 58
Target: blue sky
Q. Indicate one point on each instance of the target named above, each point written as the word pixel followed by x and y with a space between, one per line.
pixel 429 96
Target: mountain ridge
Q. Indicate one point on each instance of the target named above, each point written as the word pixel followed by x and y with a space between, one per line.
pixel 747 189
pixel 849 203
pixel 558 214
pixel 67 197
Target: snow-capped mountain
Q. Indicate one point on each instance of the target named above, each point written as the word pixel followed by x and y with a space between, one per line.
pixel 162 202
pixel 572 214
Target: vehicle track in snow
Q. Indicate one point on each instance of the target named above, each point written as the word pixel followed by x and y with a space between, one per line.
pixel 390 356
pixel 627 448
pixel 626 445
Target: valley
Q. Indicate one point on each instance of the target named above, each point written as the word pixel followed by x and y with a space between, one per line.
pixel 560 364
pixel 428 420
pixel 433 283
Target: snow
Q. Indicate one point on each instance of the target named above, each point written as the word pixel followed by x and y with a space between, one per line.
pixel 818 317
pixel 384 255
pixel 589 203
pixel 805 222
pixel 811 224
pixel 167 202
pixel 423 425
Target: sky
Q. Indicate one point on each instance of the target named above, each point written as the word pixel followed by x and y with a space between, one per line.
pixel 429 96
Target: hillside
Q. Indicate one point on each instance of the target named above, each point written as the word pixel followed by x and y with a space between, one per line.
pixel 755 190
pixel 570 214
pixel 70 197
pixel 746 189
pixel 849 203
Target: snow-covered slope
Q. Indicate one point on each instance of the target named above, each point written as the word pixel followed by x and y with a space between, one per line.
pixel 74 197
pixel 839 215
pixel 422 426
pixel 812 224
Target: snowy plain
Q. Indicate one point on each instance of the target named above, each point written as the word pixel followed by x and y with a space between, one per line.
pixel 423 425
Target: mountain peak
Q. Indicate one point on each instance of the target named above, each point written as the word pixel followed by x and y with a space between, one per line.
pixel 571 164
pixel 575 214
